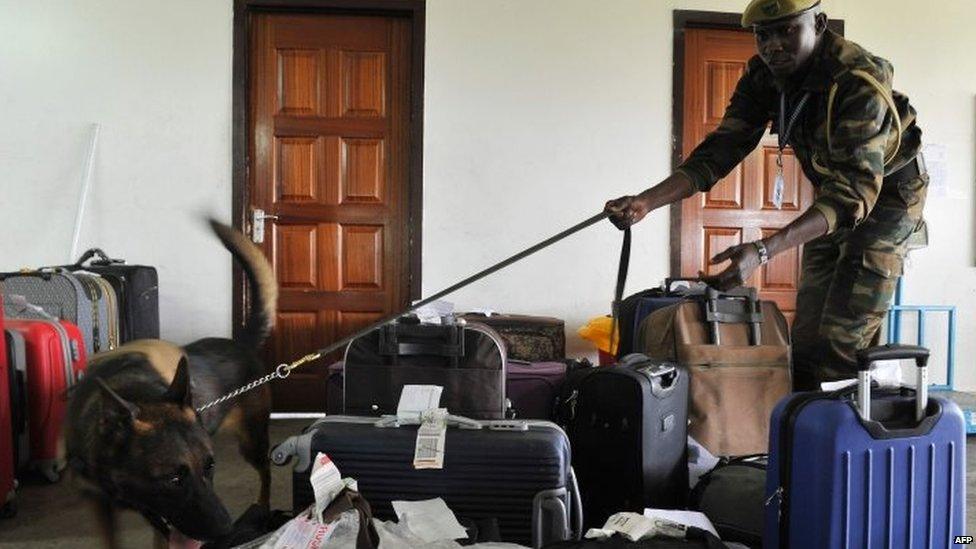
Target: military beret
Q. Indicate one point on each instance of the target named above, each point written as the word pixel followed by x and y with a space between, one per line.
pixel 765 11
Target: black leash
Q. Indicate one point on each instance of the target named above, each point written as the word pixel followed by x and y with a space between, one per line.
pixel 283 370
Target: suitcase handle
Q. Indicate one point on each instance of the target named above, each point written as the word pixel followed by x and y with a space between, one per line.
pixel 103 258
pixel 461 422
pixel 446 341
pixel 46 275
pixel 866 359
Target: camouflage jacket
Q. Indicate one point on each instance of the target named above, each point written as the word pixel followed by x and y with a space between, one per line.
pixel 847 138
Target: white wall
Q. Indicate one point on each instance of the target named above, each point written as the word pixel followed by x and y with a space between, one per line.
pixel 537 111
pixel 157 77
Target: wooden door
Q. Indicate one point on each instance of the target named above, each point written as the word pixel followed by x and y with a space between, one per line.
pixel 740 207
pixel 328 158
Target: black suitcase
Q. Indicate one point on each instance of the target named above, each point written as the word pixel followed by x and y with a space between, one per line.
pixel 628 428
pixel 137 289
pixel 466 359
pixel 521 478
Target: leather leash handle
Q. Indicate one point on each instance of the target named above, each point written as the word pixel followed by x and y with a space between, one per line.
pixel 618 295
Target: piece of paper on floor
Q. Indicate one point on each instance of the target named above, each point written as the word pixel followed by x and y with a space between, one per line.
pixel 599 533
pixel 418 398
pixel 326 483
pixel 886 372
pixel 431 520
pixel 687 518
pixel 632 526
pixel 306 532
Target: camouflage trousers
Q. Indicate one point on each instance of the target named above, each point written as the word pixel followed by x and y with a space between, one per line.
pixel 847 282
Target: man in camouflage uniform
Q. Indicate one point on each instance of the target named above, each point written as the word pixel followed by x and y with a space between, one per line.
pixel 856 140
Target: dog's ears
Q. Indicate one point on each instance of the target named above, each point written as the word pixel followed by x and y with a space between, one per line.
pixel 179 391
pixel 120 406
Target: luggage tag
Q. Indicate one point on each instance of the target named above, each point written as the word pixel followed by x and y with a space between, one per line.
pixel 431 437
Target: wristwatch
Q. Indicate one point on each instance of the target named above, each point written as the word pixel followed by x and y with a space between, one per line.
pixel 763 252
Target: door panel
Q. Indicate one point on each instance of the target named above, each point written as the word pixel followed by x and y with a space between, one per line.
pixel 329 133
pixel 739 208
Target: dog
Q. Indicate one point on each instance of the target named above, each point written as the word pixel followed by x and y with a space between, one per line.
pixel 133 439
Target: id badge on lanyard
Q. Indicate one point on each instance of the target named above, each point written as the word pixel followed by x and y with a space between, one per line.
pixel 785 129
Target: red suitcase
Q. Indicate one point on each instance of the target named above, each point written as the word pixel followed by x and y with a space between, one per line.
pixel 55 361
pixel 7 505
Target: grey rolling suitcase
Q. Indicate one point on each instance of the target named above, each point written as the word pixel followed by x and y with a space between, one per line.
pixel 517 472
pixel 60 294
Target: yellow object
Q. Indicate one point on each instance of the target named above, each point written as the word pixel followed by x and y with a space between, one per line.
pixel 597 331
pixel 764 11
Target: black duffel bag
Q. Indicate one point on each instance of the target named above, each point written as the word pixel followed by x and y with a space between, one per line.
pixel 732 496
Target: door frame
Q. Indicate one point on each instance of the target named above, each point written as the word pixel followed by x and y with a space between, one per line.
pixel 415 10
pixel 683 20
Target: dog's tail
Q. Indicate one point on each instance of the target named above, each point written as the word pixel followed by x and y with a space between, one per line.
pixel 262 287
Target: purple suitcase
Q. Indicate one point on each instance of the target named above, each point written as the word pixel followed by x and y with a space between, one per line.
pixel 532 388
pixel 894 477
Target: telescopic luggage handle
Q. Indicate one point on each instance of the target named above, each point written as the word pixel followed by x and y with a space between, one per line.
pixel 867 358
pixel 398 339
pixel 716 314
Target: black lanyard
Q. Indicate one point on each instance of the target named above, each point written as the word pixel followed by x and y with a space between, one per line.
pixel 786 127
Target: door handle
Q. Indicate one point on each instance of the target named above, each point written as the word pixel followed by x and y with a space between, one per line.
pixel 257 224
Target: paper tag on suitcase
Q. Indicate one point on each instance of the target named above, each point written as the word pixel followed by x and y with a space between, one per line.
pixel 431 438
pixel 416 399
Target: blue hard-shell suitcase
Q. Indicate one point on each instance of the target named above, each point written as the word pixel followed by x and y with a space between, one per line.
pixel 893 477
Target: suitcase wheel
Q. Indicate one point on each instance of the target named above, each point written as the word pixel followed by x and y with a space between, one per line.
pixel 9 509
pixel 51 472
